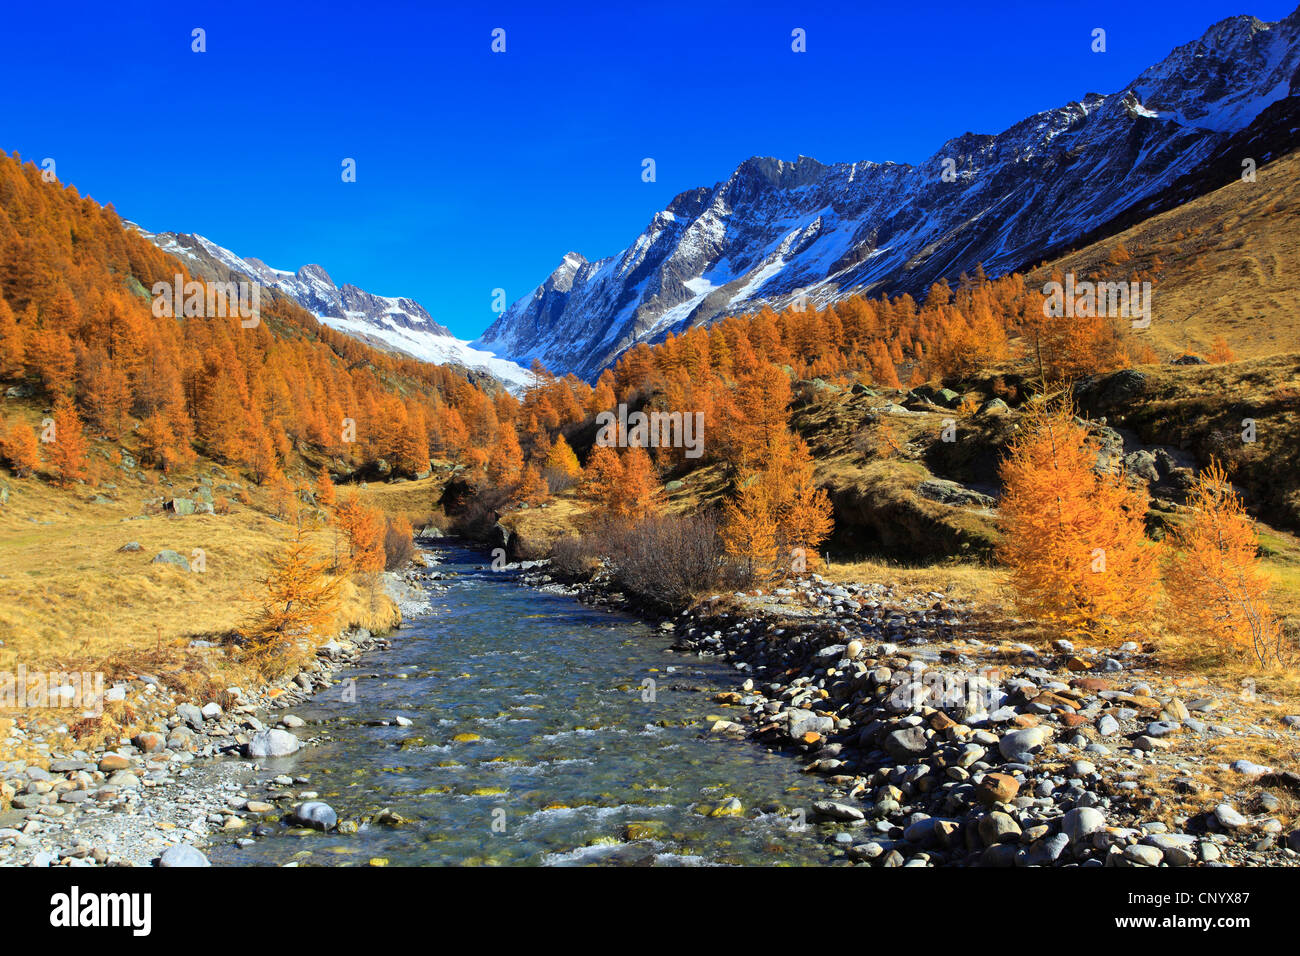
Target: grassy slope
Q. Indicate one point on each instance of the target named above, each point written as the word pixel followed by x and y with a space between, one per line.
pixel 69 597
pixel 1235 272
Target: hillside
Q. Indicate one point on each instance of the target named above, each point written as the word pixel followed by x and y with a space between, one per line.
pixel 1229 265
pixel 908 505
pixel 177 452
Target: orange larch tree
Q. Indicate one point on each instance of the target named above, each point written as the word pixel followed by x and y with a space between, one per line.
pixel 635 493
pixel 750 530
pixel 20 450
pixel 1217 590
pixel 506 458
pixel 298 599
pixel 363 528
pixel 325 493
pixel 1074 540
pixel 158 441
pixel 601 480
pixel 67 445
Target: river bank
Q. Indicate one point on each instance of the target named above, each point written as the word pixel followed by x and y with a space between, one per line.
pixel 164 793
pixel 947 747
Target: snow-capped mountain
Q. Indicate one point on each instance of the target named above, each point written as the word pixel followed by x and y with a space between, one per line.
pixel 774 229
pixel 395 324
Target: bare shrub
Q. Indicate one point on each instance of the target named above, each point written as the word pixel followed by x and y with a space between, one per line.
pixel 433 519
pixel 480 514
pixel 558 480
pixel 668 559
pixel 574 556
pixel 399 546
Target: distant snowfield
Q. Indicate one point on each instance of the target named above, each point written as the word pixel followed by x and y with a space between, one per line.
pixel 399 324
pixel 432 348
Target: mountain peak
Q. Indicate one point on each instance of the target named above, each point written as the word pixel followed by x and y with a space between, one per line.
pixel 394 324
pixel 776 227
pixel 311 271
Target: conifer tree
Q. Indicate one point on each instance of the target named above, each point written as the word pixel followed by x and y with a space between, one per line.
pixel 157 441
pixel 325 493
pixel 11 343
pixel 532 488
pixel 635 493
pixel 749 526
pixel 1074 540
pixel 363 529
pixel 601 480
pixel 21 450
pixel 298 598
pixel 562 459
pixel 67 450
pixel 1217 590
pixel 805 515
pixel 1220 352
pixel 506 459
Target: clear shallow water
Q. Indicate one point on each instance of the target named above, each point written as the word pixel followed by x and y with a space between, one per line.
pixel 568 753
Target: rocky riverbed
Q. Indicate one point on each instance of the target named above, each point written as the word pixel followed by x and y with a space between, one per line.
pixel 932 742
pixel 161 794
pixel 946 747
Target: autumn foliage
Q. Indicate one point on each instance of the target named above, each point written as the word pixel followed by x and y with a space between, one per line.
pixel 1075 541
pixel 299 599
pixel 362 528
pixel 67 450
pixel 76 323
pixel 1218 590
pixel 778 517
pixel 20 450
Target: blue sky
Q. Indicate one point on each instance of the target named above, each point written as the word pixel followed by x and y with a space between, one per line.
pixel 478 170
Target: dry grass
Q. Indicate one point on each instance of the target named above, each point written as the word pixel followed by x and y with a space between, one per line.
pixel 1203 779
pixel 416 500
pixel 1231 266
pixel 71 600
pixel 539 528
pixel 975 584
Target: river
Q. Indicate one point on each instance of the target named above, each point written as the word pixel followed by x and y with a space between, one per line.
pixel 532 743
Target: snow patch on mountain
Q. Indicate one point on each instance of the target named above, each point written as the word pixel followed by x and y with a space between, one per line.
pixel 395 324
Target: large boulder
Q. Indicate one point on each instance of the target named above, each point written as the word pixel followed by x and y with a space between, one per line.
pixel 1020 744
pixel 907 744
pixel 182 855
pixel 1081 822
pixel 499 536
pixel 317 815
pixel 167 556
pixel 951 493
pixel 1106 391
pixel 191 715
pixel 272 743
pixel 1141 464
